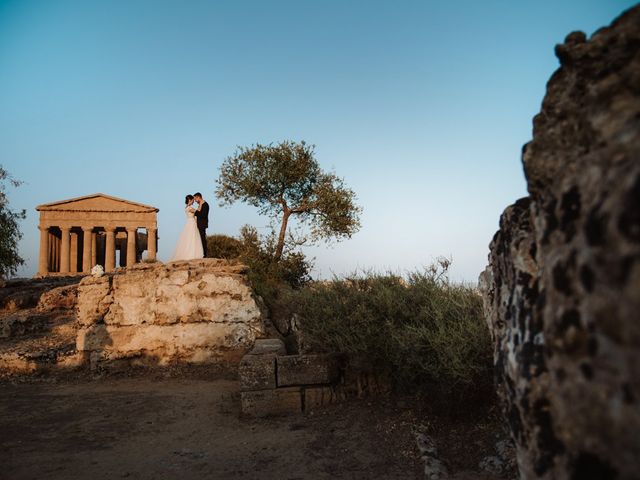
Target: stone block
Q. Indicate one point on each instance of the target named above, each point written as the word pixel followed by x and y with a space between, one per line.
pixel 186 311
pixel 318 396
pixel 264 403
pixel 60 298
pixel 94 299
pixel 266 346
pixel 257 372
pixel 95 337
pixel 306 370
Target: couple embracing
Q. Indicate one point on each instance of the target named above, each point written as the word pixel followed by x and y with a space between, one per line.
pixel 192 242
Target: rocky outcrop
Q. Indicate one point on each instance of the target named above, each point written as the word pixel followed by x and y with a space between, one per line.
pixel 53 293
pixel 196 312
pixel 38 325
pixel 562 289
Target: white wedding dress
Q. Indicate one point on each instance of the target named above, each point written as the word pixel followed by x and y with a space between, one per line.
pixel 189 245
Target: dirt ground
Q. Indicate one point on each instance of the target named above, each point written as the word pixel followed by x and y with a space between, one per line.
pixel 190 428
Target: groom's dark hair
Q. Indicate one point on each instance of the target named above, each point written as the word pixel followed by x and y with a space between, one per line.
pixel 197 194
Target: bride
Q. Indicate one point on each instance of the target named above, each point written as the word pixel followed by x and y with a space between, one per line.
pixel 189 244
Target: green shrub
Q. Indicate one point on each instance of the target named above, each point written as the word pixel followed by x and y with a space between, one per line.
pixel 423 331
pixel 10 234
pixel 223 246
pixel 271 279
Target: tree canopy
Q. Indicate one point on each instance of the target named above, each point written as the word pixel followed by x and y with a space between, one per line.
pixel 10 234
pixel 285 180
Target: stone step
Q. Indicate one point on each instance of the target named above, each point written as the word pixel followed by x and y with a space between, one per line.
pixel 275 384
pixel 287 400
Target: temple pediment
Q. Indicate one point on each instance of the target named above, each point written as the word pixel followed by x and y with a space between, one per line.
pixel 98 202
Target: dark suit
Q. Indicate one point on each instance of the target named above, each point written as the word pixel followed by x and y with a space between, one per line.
pixel 202 219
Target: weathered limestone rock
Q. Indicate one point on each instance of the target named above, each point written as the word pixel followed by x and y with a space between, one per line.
pixel 46 294
pixel 257 372
pixel 307 370
pixel 562 289
pixel 272 383
pixel 95 298
pixel 511 291
pixel 38 325
pixel 31 306
pixel 273 346
pixel 196 311
pixel 59 298
pixel 22 323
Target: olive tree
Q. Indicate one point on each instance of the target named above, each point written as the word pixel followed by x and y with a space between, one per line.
pixel 285 181
pixel 10 234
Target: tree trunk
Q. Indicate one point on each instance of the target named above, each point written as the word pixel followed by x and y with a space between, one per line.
pixel 283 232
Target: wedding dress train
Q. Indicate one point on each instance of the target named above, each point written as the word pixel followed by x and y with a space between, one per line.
pixel 189 245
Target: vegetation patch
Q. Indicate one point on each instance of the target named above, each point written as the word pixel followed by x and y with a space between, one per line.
pixel 421 330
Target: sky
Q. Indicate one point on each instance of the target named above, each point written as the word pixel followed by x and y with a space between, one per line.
pixel 421 106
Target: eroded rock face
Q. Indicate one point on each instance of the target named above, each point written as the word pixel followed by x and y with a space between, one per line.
pixel 54 293
pixel 198 311
pixel 32 306
pixel 38 325
pixel 562 289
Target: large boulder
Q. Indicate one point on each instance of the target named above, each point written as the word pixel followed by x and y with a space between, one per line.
pixel 562 289
pixel 197 312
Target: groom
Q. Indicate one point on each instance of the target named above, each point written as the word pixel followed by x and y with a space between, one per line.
pixel 202 219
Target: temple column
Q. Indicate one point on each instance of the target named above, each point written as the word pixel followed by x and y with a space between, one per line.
pixel 151 244
pixel 87 241
pixel 131 246
pixel 94 249
pixel 64 250
pixel 110 250
pixel 43 261
pixel 73 253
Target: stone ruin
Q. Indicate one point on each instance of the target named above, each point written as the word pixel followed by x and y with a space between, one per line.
pixel 79 233
pixel 147 314
pixel 197 311
pixel 38 325
pixel 193 312
pixel 274 383
pixel 562 289
pixel 152 314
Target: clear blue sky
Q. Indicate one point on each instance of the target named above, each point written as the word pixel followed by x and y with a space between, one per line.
pixel 422 107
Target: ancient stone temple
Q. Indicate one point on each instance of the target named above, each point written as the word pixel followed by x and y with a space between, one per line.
pixel 77 234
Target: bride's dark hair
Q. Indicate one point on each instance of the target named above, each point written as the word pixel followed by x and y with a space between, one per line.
pixel 187 199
